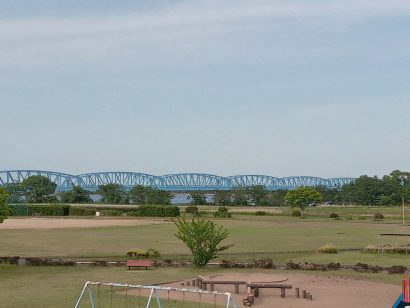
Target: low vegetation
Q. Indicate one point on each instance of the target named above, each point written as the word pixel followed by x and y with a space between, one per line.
pixel 202 237
pixel 329 248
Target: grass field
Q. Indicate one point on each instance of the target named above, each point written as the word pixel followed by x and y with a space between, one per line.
pixel 252 236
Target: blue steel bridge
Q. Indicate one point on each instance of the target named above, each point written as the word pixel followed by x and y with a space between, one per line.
pixel 170 182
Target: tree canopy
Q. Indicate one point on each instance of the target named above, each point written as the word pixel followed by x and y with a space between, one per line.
pixel 77 194
pixel 302 197
pixel 4 210
pixel 149 195
pixel 37 188
pixel 112 193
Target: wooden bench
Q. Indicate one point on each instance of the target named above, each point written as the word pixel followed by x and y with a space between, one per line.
pixel 253 287
pixel 203 283
pixel 138 263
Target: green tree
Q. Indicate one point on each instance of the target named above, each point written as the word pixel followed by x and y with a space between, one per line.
pixel 112 193
pixel 239 196
pixel 202 237
pixel 76 195
pixel 149 195
pixel 223 197
pixel 4 209
pixel 276 197
pixel 38 188
pixel 15 192
pixel 302 197
pixel 197 198
pixel 257 194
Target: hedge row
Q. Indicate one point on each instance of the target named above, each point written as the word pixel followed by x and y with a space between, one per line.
pixel 67 210
pixel 39 210
pixel 155 211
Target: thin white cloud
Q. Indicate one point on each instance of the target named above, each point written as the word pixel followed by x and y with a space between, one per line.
pixel 42 40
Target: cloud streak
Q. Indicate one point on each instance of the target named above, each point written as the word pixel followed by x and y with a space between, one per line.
pixel 45 40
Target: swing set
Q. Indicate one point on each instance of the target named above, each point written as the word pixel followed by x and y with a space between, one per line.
pixel 147 295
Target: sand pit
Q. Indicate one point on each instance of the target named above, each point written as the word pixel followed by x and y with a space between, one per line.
pixel 61 223
pixel 327 291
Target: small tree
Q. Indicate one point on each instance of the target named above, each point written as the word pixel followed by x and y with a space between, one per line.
pixel 257 194
pixel 197 198
pixel 301 197
pixel 112 193
pixel 76 195
pixel 4 210
pixel 202 237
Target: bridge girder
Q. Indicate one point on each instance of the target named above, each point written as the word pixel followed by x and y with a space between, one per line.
pixel 171 182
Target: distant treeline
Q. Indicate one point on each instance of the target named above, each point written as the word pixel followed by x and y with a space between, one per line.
pixel 386 191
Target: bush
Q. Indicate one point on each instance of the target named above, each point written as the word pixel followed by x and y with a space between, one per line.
pixel 329 248
pixel 222 212
pixel 371 249
pixel 192 210
pixel 202 237
pixel 139 253
pixel 378 216
pixel 39 210
pixel 155 211
pixel 362 217
pixel 260 213
pixel 296 213
pixel 82 211
pixel 334 215
pixel 111 212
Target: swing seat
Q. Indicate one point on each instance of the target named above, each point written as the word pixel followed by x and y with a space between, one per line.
pixel 139 263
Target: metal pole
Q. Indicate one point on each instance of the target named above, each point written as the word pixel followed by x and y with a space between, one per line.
pixel 81 295
pixel 402 203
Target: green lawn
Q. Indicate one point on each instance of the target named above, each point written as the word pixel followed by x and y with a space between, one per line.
pixel 250 235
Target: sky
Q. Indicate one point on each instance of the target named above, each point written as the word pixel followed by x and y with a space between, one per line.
pixel 278 88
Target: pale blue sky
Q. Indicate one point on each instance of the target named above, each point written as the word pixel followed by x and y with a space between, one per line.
pixel 225 87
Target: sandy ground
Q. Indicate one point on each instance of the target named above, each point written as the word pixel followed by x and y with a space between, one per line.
pixel 58 223
pixel 327 292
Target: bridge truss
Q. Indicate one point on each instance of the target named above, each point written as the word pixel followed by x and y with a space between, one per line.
pixel 170 182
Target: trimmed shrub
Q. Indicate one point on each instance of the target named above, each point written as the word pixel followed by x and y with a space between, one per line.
pixel 296 213
pixel 260 213
pixel 192 210
pixel 82 211
pixel 155 211
pixel 329 248
pixel 334 215
pixel 39 210
pixel 397 269
pixel 139 253
pixel 378 216
pixel 111 212
pixel 222 212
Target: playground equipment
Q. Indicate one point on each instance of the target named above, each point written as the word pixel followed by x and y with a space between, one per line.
pixel 252 287
pixel 404 299
pixel 128 295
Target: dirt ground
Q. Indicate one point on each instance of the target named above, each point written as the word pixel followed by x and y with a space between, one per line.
pixel 327 292
pixel 58 223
